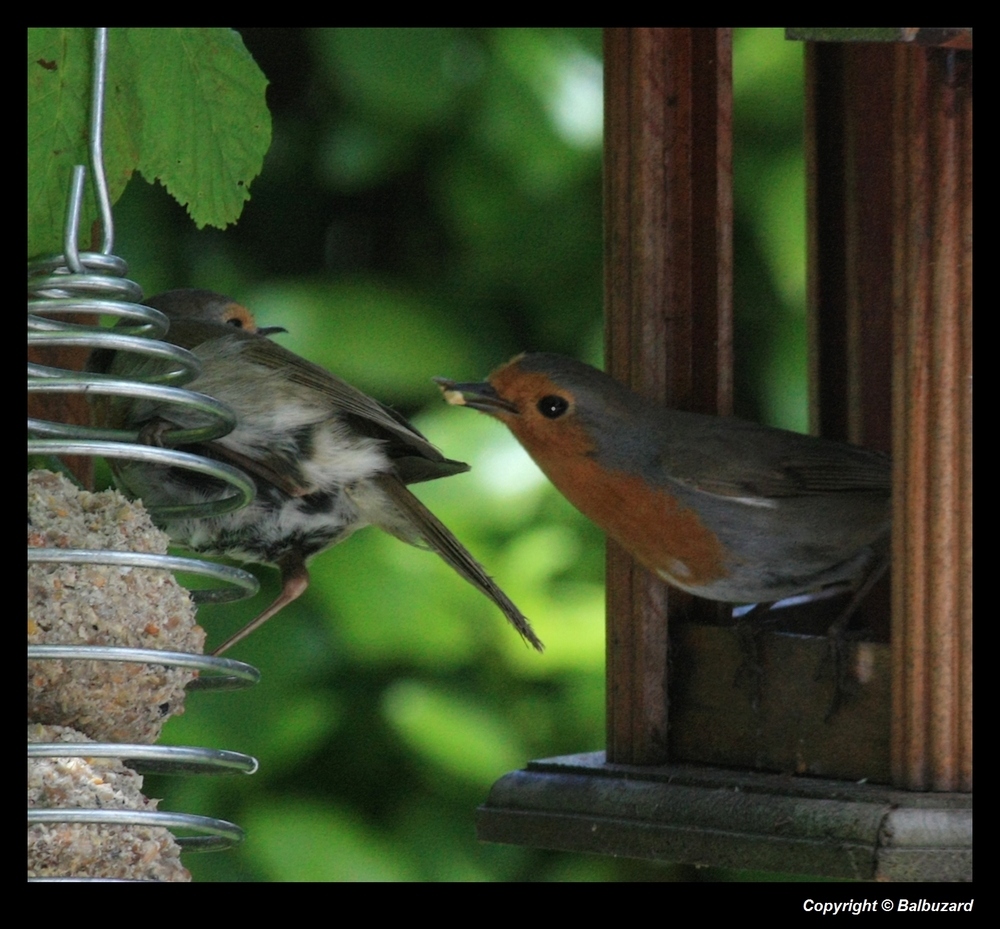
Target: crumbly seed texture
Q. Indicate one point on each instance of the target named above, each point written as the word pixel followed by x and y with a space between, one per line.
pixel 146 853
pixel 103 605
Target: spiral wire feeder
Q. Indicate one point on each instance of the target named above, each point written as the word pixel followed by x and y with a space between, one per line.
pixel 95 283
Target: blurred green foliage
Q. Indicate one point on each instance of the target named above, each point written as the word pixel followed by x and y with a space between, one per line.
pixel 431 204
pixel 769 229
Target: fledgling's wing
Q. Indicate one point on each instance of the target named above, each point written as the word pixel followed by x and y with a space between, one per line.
pixel 281 372
pixel 416 458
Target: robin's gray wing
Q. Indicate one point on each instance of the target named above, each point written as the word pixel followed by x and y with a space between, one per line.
pixel 750 460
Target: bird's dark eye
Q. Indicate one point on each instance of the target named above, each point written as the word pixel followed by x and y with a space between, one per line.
pixel 235 321
pixel 553 406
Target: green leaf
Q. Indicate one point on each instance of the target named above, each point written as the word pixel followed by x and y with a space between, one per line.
pixel 58 94
pixel 206 127
pixel 183 106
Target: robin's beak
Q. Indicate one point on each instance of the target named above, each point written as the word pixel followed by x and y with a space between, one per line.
pixel 480 397
pixel 270 330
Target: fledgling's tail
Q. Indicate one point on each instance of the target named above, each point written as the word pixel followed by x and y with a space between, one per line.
pixel 436 535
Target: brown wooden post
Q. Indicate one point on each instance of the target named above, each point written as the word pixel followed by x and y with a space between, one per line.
pixel 668 302
pixel 850 232
pixel 932 409
pixel 849 224
pixel 889 151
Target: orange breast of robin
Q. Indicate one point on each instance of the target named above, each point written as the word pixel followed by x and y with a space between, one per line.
pixel 649 522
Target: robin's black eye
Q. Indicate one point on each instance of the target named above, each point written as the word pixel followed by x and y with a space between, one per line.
pixel 553 406
pixel 235 321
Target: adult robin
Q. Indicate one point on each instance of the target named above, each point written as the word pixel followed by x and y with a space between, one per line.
pixel 720 507
pixel 326 458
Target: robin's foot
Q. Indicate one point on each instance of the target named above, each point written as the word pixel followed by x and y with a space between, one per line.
pixel 837 662
pixel 749 628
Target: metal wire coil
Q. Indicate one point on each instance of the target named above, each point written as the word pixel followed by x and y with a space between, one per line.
pixel 224 673
pixel 95 283
pixel 216 833
pixel 55 293
pixel 214 673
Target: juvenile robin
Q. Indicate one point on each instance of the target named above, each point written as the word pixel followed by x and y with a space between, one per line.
pixel 723 508
pixel 326 458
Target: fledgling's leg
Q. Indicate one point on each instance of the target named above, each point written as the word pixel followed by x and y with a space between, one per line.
pixel 294 581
